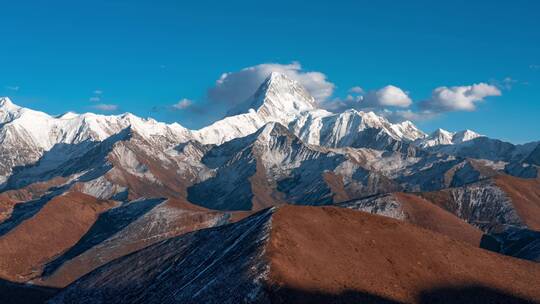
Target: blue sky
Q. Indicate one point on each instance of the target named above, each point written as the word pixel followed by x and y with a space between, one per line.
pixel 145 56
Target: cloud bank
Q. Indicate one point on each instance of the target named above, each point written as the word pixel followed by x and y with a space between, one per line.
pixel 182 104
pixel 388 96
pixel 396 105
pixel 458 98
pixel 235 87
pixel 390 101
pixel 105 107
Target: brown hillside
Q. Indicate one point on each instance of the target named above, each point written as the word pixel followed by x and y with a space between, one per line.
pixel 427 215
pixel 55 228
pixel 525 195
pixel 326 254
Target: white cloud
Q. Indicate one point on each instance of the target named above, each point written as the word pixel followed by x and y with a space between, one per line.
pixel 506 83
pixel 106 107
pixel 356 90
pixel 182 104
pixel 459 98
pixel 534 66
pixel 389 96
pixel 13 88
pixel 236 87
pixel 95 99
pixel 338 105
pixel 98 92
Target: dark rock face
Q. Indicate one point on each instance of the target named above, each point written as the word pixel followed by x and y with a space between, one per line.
pixel 519 243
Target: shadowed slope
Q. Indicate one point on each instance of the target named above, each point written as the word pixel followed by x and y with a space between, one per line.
pixel 217 265
pixel 106 225
pixel 167 219
pixel 15 293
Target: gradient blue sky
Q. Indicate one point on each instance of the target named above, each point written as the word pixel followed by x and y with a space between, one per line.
pixel 147 55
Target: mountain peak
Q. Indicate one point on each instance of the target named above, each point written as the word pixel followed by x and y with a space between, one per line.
pixel 277 78
pixel 436 138
pixel 68 115
pixel 276 75
pixel 278 98
pixel 464 135
pixel 442 132
pixel 441 137
pixel 8 110
pixel 7 104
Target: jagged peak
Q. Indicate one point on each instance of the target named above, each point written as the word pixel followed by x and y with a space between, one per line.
pixel 6 102
pixel 442 132
pixel 277 75
pixel 277 79
pixel 465 135
pixel 273 128
pixel 278 96
pixel 263 135
pixel 7 106
pixel 407 123
pixel 68 115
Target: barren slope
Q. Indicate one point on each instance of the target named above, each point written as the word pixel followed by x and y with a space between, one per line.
pixel 419 211
pixel 310 255
pixel 54 229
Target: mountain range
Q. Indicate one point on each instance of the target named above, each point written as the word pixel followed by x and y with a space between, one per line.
pixel 122 209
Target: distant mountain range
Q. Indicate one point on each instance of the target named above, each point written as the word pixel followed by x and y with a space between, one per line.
pixel 80 191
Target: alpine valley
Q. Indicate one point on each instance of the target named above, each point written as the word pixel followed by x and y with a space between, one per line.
pixel 278 202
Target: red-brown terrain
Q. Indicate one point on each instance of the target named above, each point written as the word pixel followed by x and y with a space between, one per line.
pixel 171 218
pixel 427 215
pixel 525 195
pixel 417 210
pixel 311 255
pixel 59 225
pixel 75 233
pixel 321 253
pixel 492 204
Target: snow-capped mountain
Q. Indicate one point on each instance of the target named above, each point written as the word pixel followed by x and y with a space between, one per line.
pixel 70 128
pixel 469 144
pixel 353 129
pixel 34 146
pixel 442 137
pixel 278 99
pixel 25 134
pixel 273 166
